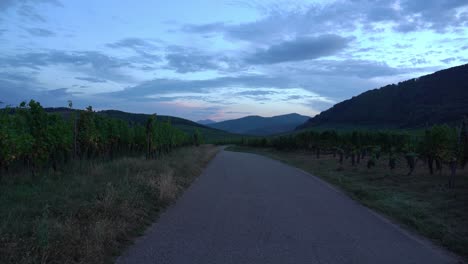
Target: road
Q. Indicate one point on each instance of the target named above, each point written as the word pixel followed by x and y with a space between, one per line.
pixel 246 208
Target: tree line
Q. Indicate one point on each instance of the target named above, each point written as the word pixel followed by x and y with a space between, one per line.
pixel 34 139
pixel 437 146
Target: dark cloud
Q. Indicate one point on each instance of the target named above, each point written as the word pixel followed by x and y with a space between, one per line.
pixel 7 4
pixel 382 13
pixel 346 68
pixel 91 79
pixel 448 60
pixel 93 63
pixel 17 77
pixel 27 8
pixel 204 28
pixel 190 61
pixel 141 47
pixel 133 43
pixel 184 63
pixel 40 32
pixel 304 48
pixel 402 46
pixel 256 93
pixel 165 86
pixel 293 97
pixel 12 93
pixel 30 13
pixel 279 22
pixel 184 60
pixel 417 61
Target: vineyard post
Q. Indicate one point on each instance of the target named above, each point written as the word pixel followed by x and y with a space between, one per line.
pixel 463 143
pixel 70 106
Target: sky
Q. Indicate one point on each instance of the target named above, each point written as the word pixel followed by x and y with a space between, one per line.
pixel 215 59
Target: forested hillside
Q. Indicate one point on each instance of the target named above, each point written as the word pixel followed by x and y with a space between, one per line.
pixel 183 124
pixel 441 97
pixel 261 126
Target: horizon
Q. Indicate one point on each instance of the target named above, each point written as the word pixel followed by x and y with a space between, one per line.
pixel 226 60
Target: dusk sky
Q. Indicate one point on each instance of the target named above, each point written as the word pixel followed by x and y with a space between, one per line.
pixel 221 59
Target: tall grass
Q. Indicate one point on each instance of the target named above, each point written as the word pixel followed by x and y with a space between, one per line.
pixel 88 212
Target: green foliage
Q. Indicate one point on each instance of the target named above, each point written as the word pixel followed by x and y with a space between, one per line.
pixel 197 137
pixel 439 145
pixel 32 138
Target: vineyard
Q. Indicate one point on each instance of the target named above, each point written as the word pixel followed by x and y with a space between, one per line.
pixel 74 188
pixel 32 139
pixel 418 179
pixel 439 146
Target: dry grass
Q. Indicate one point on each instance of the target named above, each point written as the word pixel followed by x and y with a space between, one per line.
pixel 421 202
pixel 89 212
pixel 167 187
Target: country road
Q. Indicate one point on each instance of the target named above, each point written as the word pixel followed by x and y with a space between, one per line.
pixel 247 208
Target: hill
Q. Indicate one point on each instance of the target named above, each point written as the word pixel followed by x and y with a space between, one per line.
pixel 206 122
pixel 210 134
pixel 441 97
pixel 261 126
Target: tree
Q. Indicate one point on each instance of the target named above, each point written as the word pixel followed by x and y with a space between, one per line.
pixel 150 131
pixel 197 138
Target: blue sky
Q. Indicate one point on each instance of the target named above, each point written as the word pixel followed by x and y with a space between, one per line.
pixel 221 59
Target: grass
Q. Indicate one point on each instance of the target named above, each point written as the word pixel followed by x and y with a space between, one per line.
pixel 89 212
pixel 420 202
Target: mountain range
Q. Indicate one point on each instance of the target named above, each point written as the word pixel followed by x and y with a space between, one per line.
pixel 261 126
pixel 206 122
pixel 441 97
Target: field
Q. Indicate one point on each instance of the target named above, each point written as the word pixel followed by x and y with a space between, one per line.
pixel 420 202
pixel 88 211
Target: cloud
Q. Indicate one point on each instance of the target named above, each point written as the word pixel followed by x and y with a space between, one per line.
pixel 93 63
pixel 17 77
pixel 40 32
pixel 204 28
pixel 187 60
pixel 256 92
pixel 448 60
pixel 304 48
pixel 257 95
pixel 341 16
pixel 27 8
pixel 351 68
pixel 91 79
pixel 142 47
pixel 12 93
pixel 165 86
pixel 7 4
pixel 133 43
pixel 30 13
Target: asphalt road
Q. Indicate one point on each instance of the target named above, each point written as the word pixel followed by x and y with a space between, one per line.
pixel 247 208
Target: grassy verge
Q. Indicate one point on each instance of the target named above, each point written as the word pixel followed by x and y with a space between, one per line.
pixel 90 211
pixel 421 202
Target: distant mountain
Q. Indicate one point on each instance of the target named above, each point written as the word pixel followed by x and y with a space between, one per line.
pixel 260 126
pixel 210 134
pixel 441 97
pixel 206 122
